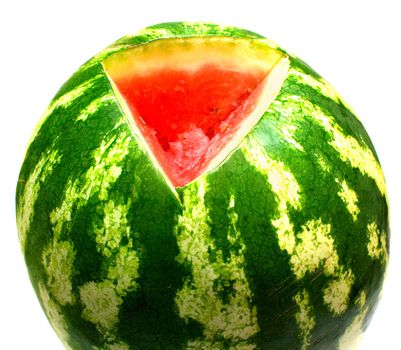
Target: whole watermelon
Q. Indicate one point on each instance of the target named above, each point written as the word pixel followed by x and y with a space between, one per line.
pixel 280 244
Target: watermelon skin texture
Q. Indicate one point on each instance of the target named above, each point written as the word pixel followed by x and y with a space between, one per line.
pixel 283 246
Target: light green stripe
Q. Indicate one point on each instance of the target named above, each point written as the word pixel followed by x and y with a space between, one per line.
pixel 283 184
pixel 95 105
pixel 122 260
pixel 350 150
pixel 98 179
pixel 26 208
pixel 123 267
pixel 102 300
pixel 288 132
pixel 235 320
pixel 377 244
pixel 305 317
pixel 315 249
pixel 319 84
pixel 58 256
pixel 64 101
pixel 350 198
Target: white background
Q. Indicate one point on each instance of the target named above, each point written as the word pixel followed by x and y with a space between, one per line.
pixel 354 44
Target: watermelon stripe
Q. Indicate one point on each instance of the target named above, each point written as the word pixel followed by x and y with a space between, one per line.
pixel 349 149
pixel 199 298
pixel 284 186
pixel 303 77
pixel 288 132
pixel 377 246
pixel 98 178
pixel 58 259
pixel 122 272
pixel 26 207
pixel 350 199
pixel 123 269
pixel 64 101
pixel 93 108
pixel 318 84
pixel 315 248
pixel 305 317
pixel 337 294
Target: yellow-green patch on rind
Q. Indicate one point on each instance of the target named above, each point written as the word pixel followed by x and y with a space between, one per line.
pixel 117 346
pixel 113 228
pixel 94 106
pixel 288 132
pixel 377 244
pixel 124 270
pixel 101 304
pixel 58 259
pixel 314 249
pixel 350 199
pixel 336 295
pixel 281 179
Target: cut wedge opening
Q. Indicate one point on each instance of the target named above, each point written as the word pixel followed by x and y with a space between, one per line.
pixel 192 100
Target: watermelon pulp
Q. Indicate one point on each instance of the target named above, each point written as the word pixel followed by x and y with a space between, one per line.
pixel 188 109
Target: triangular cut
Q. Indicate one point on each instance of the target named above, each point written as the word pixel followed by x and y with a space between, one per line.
pixel 192 100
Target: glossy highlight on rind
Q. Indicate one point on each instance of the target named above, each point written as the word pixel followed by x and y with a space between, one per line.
pixel 284 244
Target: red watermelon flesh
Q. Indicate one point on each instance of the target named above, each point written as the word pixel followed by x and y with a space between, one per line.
pixel 187 116
pixel 189 100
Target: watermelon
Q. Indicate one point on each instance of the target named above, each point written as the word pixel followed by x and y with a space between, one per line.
pixel 196 186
